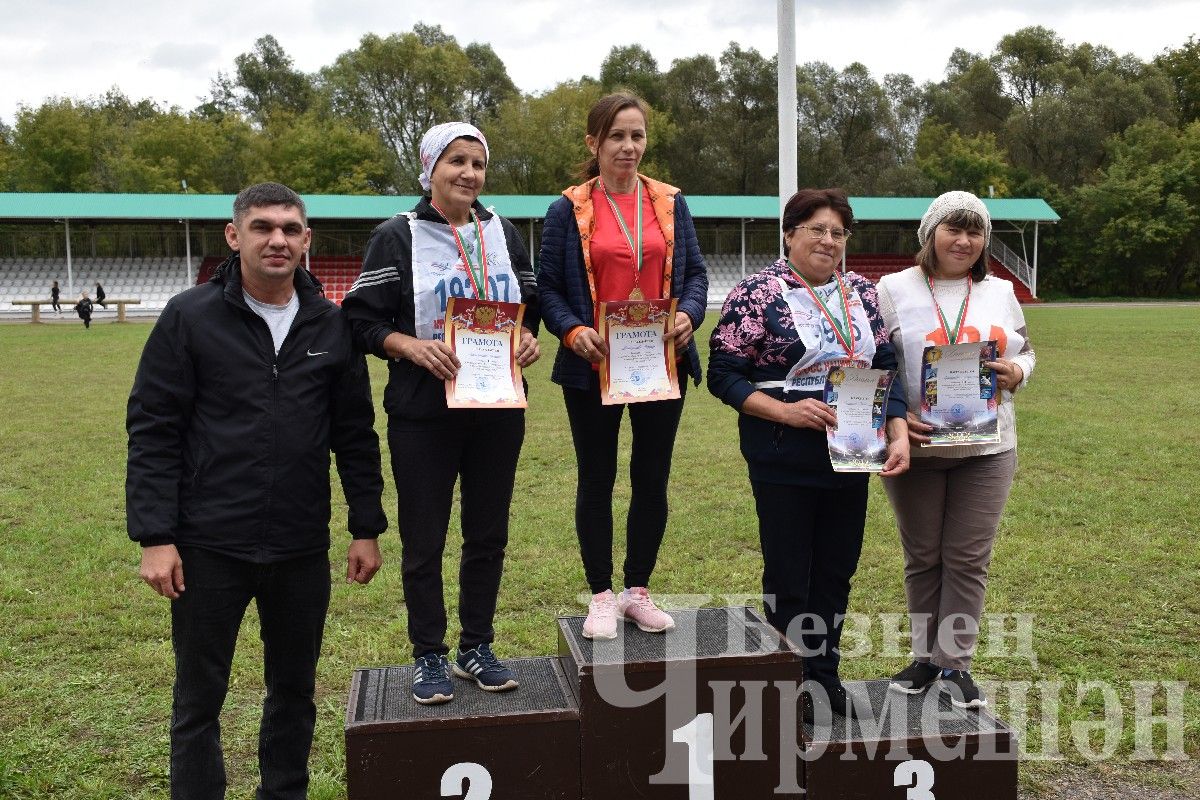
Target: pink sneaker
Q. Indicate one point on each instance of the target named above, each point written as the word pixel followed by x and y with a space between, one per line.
pixel 634 605
pixel 601 622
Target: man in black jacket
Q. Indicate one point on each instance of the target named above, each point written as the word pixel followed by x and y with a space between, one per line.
pixel 245 385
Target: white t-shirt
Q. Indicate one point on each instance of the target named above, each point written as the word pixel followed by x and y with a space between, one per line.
pixel 278 318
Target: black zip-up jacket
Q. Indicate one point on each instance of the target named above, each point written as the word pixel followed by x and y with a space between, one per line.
pixel 381 302
pixel 229 443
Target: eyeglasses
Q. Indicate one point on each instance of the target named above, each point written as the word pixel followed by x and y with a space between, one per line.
pixel 819 232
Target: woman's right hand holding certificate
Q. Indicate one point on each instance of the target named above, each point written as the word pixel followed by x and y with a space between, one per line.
pixel 808 413
pixel 433 355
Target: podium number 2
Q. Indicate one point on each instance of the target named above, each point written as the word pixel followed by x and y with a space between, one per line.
pixel 479 781
pixel 917 777
pixel 698 736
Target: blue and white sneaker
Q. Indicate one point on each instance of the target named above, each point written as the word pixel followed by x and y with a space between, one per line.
pixel 481 665
pixel 431 680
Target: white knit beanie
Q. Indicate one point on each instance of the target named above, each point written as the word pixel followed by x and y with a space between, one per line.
pixel 947 204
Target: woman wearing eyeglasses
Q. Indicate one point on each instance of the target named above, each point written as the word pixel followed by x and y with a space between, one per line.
pixel 781 331
pixel 619 235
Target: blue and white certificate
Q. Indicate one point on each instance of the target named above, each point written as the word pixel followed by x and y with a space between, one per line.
pixel 959 395
pixel 859 442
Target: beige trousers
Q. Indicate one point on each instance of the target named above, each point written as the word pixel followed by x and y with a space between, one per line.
pixel 948 511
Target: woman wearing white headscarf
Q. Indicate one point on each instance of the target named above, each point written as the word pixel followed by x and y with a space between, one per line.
pixel 948 505
pixel 448 246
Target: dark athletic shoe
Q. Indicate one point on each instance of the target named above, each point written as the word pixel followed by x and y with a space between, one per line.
pixel 835 700
pixel 481 665
pixel 915 678
pixel 431 681
pixel 962 690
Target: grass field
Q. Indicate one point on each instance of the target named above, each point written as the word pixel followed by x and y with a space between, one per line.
pixel 1099 544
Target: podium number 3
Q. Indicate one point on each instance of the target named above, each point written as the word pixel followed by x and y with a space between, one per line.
pixel 479 781
pixel 917 777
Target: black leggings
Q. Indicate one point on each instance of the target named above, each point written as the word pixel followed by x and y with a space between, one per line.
pixel 594 429
pixel 481 448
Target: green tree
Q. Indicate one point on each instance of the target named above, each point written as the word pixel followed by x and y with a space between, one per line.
pixel 1136 230
pixel 58 147
pixel 1030 63
pixel 488 85
pixel 401 85
pixel 953 161
pixel 267 81
pixel 692 95
pixel 849 135
pixel 7 157
pixel 1182 68
pixel 537 141
pixel 316 154
pixel 631 67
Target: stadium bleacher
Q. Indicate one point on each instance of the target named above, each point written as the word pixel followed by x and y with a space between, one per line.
pixel 155 280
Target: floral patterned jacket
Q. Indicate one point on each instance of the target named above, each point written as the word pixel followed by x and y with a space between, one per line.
pixel 754 341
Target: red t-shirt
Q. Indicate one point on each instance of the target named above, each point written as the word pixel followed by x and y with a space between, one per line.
pixel 613 263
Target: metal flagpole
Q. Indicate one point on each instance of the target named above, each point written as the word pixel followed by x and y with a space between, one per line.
pixel 788 136
pixel 70 274
pixel 187 243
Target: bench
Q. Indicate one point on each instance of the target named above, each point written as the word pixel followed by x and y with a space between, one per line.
pixel 120 303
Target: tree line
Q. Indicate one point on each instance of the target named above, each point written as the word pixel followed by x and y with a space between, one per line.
pixel 1112 142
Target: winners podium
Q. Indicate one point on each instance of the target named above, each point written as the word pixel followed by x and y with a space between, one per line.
pixel 708 710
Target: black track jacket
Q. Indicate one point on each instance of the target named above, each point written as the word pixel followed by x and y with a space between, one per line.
pixel 229 443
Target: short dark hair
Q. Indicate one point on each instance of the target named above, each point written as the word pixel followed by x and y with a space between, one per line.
pixel 806 202
pixel 267 194
pixel 600 121
pixel 967 220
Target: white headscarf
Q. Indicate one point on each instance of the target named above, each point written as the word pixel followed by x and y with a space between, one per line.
pixel 438 138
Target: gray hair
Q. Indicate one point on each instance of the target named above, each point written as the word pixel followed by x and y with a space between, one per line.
pixel 267 194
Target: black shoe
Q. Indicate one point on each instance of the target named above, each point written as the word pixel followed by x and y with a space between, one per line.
pixel 962 689
pixel 431 681
pixel 915 678
pixel 481 665
pixel 835 700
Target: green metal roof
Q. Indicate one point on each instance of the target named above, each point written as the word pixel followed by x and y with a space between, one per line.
pixel 32 206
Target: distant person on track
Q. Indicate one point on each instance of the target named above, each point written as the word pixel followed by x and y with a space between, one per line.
pixel 55 293
pixel 619 235
pixel 245 385
pixel 84 309
pixel 100 295
pixel 948 505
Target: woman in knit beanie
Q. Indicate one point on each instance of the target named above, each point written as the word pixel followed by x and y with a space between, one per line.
pixel 948 505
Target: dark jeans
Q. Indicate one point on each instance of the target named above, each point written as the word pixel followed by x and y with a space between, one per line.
pixel 292 598
pixel 482 446
pixel 594 429
pixel 811 539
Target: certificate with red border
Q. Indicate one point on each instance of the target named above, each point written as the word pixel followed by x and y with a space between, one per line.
pixel 484 335
pixel 640 364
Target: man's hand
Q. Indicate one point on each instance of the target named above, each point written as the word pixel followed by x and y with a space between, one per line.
pixel 363 560
pixel 162 568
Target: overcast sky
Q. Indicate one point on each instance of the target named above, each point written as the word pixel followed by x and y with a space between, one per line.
pixel 170 51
